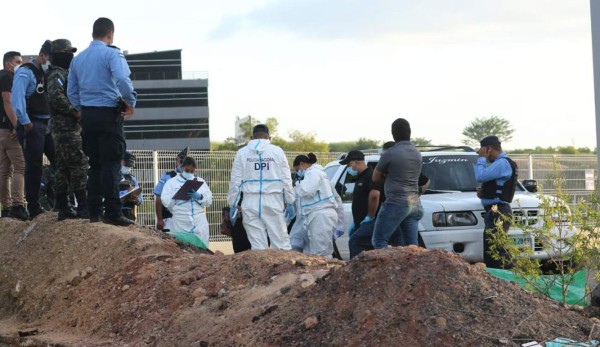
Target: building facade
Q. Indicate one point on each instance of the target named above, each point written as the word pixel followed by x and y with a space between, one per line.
pixel 172 108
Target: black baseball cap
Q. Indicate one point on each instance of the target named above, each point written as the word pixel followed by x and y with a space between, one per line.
pixel 353 155
pixel 489 141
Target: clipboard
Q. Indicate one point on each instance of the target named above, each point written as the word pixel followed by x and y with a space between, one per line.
pixel 188 186
pixel 133 192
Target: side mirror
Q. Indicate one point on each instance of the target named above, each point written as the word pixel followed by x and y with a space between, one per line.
pixel 530 185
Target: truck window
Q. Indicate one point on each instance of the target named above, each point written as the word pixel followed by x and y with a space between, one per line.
pixel 451 172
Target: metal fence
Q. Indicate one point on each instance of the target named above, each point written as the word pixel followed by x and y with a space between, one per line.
pixel 215 168
pixel 570 168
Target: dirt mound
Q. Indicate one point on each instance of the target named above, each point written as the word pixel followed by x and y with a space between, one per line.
pixel 81 284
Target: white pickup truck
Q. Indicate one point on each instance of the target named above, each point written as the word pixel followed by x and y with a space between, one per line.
pixel 453 219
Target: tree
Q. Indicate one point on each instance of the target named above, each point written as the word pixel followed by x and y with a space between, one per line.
pixel 342 147
pixel 421 141
pixel 361 144
pixel 228 145
pixel 271 122
pixel 482 127
pixel 301 142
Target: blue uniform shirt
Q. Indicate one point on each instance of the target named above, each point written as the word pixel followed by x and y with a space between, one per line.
pixel 499 171
pixel 161 184
pixel 136 185
pixel 24 85
pixel 98 76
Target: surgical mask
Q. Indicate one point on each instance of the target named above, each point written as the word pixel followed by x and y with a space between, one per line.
pixel 125 170
pixel 15 67
pixel 352 172
pixel 300 174
pixel 46 66
pixel 187 175
pixel 178 169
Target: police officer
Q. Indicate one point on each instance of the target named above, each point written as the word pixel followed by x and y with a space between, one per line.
pixel 99 86
pixel 71 162
pixel 31 108
pixel 128 183
pixel 12 162
pixel 498 175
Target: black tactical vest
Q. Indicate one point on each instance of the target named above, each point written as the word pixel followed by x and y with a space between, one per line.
pixel 506 192
pixel 37 102
pixel 5 122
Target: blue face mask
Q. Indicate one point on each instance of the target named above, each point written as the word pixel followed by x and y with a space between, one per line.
pixel 301 173
pixel 178 168
pixel 187 175
pixel 352 172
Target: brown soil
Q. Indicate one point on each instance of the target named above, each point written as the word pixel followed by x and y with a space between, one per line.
pixel 73 283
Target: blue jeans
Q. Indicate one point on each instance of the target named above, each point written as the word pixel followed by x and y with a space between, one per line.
pixel 397 225
pixel 360 240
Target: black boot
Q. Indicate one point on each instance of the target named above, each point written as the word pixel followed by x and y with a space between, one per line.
pixel 82 207
pixel 118 221
pixel 64 210
pixel 18 212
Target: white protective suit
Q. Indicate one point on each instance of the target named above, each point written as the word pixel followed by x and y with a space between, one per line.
pixel 319 209
pixel 188 216
pixel 262 172
pixel 299 235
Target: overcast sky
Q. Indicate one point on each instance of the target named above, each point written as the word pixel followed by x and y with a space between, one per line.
pixel 346 69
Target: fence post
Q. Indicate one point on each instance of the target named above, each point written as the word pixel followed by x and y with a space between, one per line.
pixel 155 167
pixel 530 167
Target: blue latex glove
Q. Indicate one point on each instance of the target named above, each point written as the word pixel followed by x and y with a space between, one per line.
pixel 367 220
pixel 195 195
pixel 351 229
pixel 290 213
pixel 337 234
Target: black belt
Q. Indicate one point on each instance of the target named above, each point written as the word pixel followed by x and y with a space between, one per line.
pixel 99 108
pixel 43 120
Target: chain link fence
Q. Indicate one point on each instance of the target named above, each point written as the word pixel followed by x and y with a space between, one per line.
pixel 571 169
pixel 215 168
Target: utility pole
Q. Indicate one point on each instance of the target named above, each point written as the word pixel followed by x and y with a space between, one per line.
pixel 595 19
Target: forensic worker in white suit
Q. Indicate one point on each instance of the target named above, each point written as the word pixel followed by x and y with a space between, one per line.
pixel 319 206
pixel 189 223
pixel 261 171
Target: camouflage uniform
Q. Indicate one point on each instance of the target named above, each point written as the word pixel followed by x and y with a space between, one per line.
pixel 71 162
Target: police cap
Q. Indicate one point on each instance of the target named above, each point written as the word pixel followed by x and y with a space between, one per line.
pixel 183 153
pixel 129 159
pixel 62 45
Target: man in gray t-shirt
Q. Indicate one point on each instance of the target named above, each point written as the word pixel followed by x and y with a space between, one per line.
pixel 400 166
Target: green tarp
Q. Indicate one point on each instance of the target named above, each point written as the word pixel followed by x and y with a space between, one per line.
pixel 190 238
pixel 575 295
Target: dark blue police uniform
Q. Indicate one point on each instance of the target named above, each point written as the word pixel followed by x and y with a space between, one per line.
pixel 98 77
